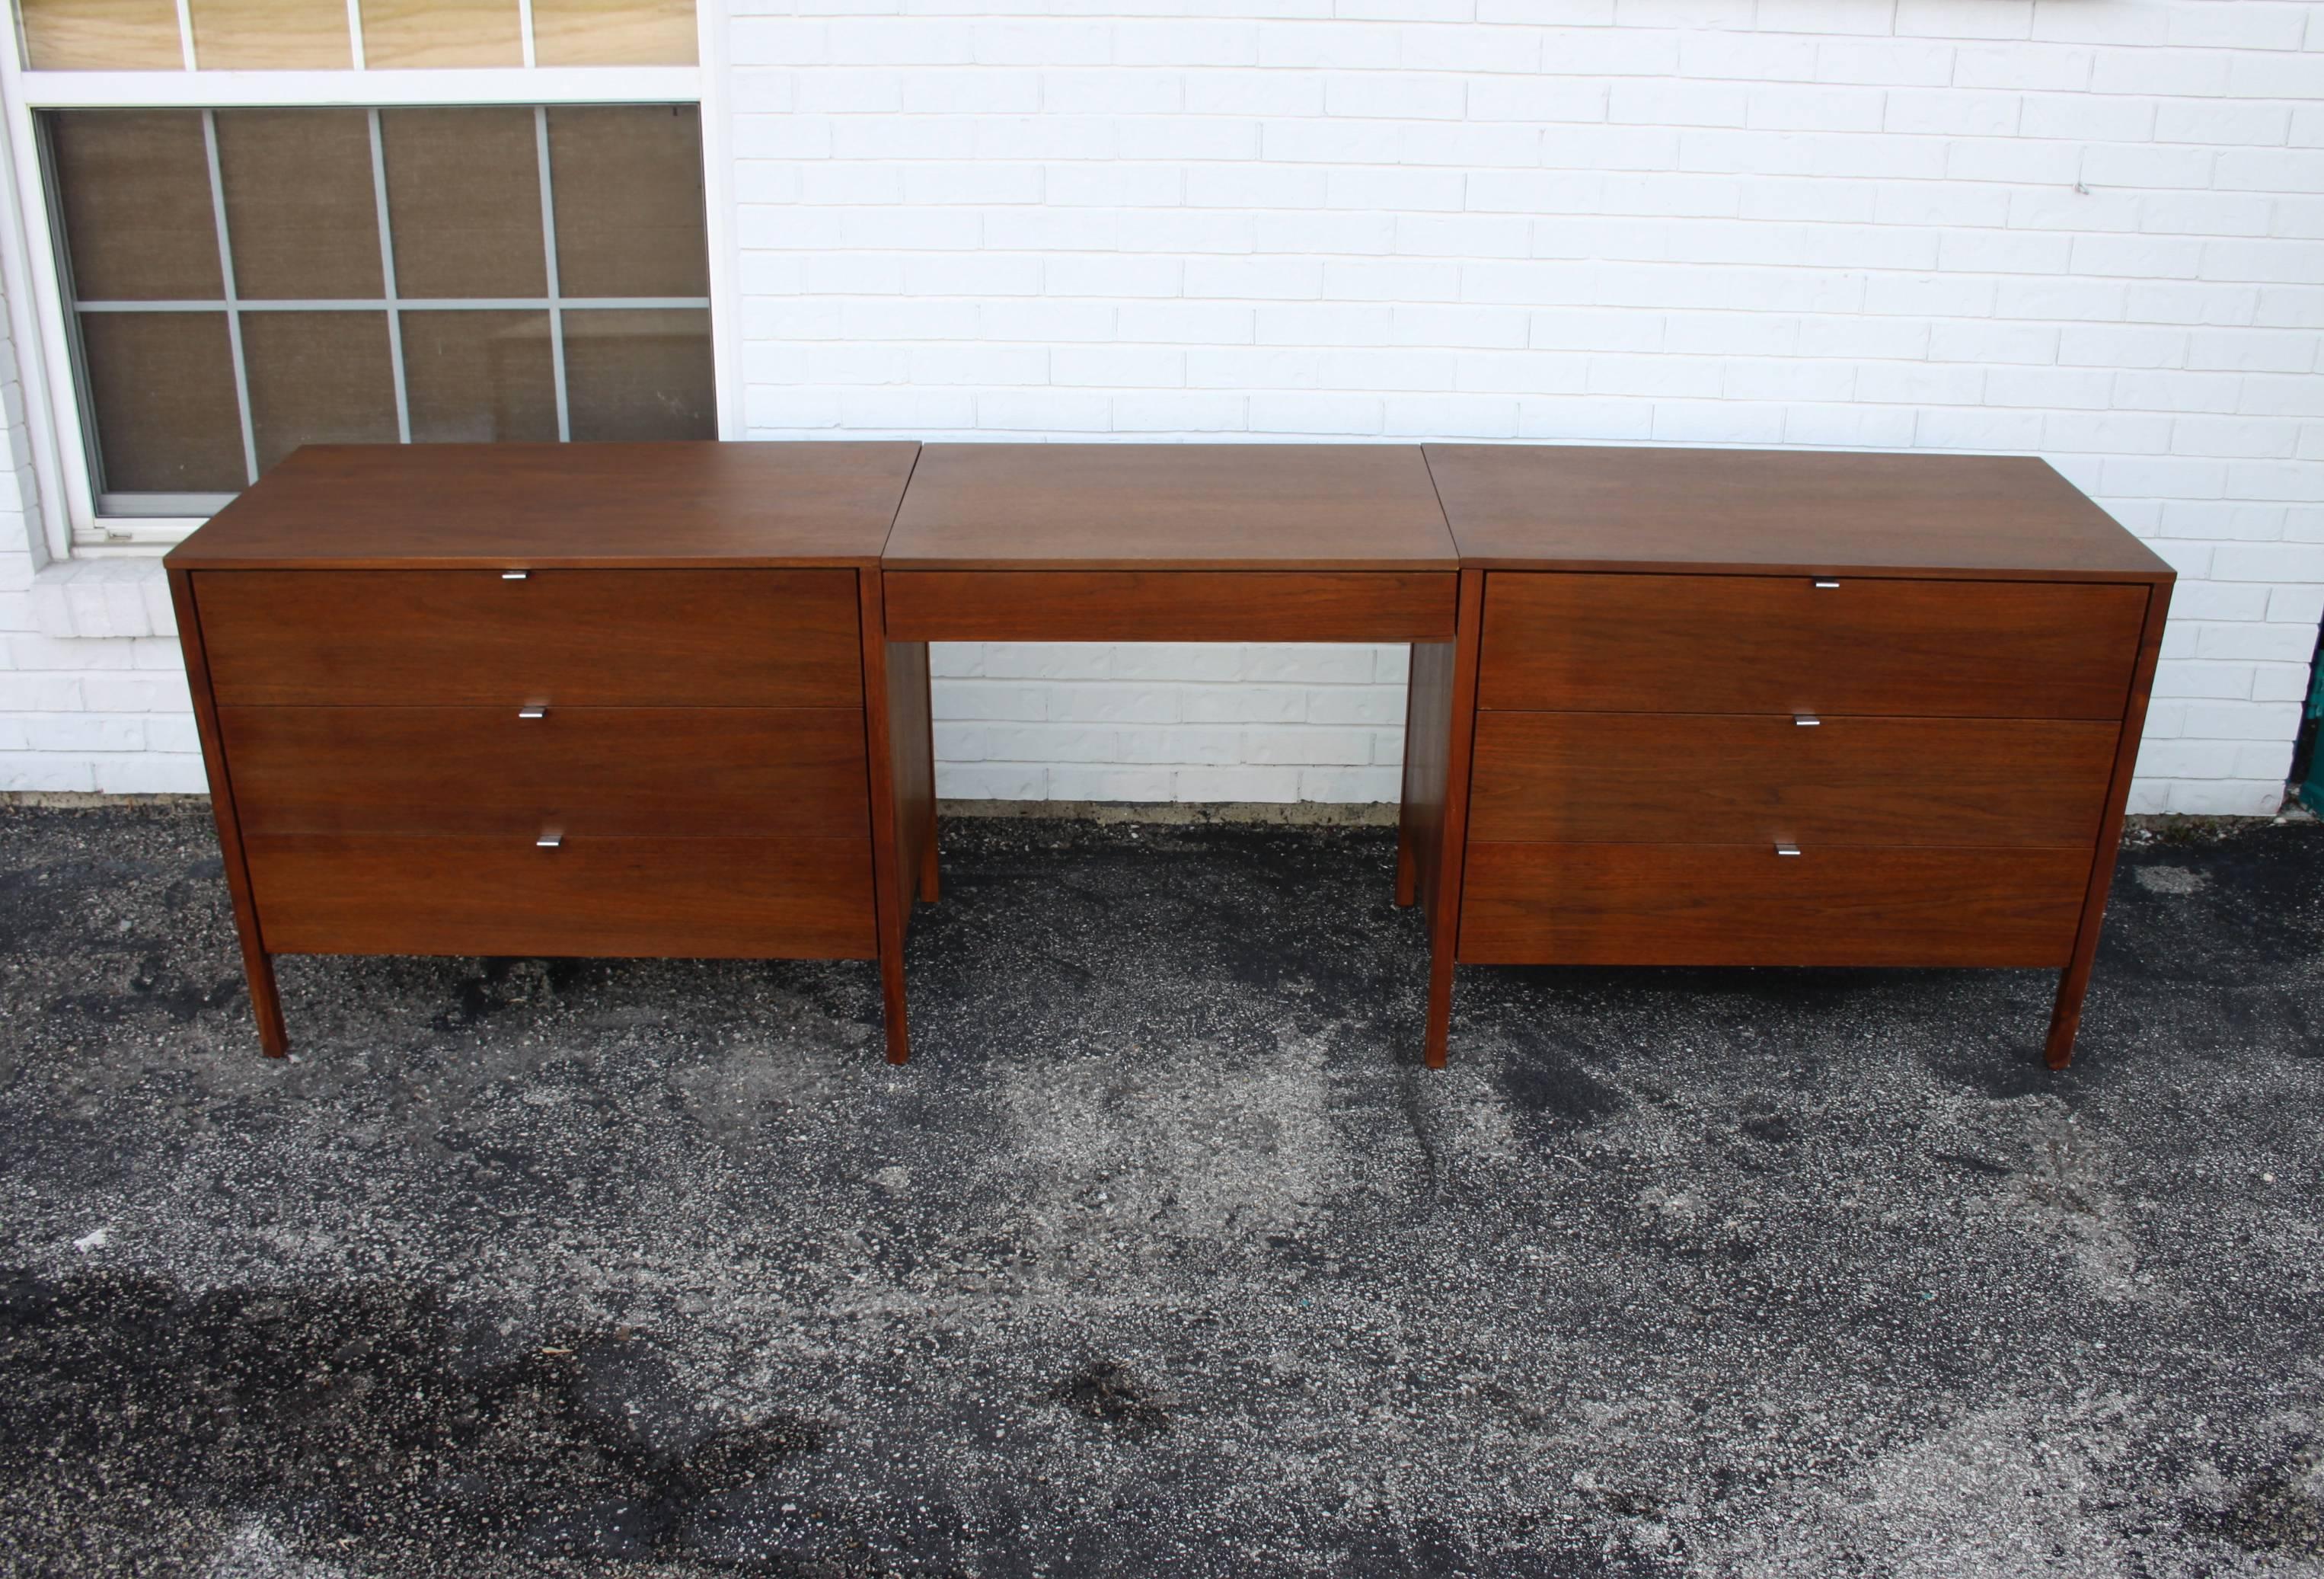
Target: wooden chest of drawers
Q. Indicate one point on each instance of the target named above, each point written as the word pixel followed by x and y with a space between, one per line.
pixel 1747 708
pixel 593 700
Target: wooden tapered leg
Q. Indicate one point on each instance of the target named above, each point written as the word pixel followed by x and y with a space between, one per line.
pixel 1446 709
pixel 257 965
pixel 888 697
pixel 928 861
pixel 265 1001
pixel 928 735
pixel 1408 813
pixel 894 1015
pixel 2066 1014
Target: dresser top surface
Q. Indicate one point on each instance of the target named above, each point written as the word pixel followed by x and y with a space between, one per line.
pixel 354 506
pixel 1171 507
pixel 1745 511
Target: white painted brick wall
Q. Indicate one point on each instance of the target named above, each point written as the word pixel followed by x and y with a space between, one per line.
pixel 2092 229
pixel 92 691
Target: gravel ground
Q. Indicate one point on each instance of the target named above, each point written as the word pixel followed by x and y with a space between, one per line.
pixel 1164 1256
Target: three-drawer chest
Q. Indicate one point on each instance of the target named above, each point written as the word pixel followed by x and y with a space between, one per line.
pixel 1721 707
pixel 564 700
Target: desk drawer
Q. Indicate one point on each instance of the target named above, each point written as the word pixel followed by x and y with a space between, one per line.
pixel 687 899
pixel 1738 905
pixel 572 638
pixel 1170 605
pixel 1623 643
pixel 1739 779
pixel 603 772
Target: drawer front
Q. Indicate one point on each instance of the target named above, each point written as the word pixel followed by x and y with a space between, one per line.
pixel 574 638
pixel 685 898
pixel 1731 905
pixel 1170 605
pixel 1617 643
pixel 640 773
pixel 1739 779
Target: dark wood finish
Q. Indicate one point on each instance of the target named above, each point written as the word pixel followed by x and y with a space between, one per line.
pixel 1714 779
pixel 1623 643
pixel 519 506
pixel 1170 506
pixel 2066 1013
pixel 1594 508
pixel 894 871
pixel 257 968
pixel 1170 605
pixel 911 751
pixel 692 899
pixel 568 637
pixel 1446 887
pixel 1426 695
pixel 1735 905
pixel 1428 730
pixel 1172 543
pixel 1981 671
pixel 689 615
pixel 636 773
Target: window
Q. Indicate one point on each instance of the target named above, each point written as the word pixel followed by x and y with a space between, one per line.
pixel 399 220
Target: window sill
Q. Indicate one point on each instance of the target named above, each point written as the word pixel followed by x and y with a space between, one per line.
pixel 121 595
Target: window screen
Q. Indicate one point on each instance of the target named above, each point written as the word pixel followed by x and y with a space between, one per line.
pixel 243 282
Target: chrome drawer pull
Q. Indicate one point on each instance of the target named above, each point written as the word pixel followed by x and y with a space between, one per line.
pixel 1784 848
pixel 1806 720
pixel 1827 584
pixel 535 711
pixel 550 839
pixel 514 575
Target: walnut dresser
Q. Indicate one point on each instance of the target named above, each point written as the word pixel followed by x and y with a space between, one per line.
pixel 569 700
pixel 1721 707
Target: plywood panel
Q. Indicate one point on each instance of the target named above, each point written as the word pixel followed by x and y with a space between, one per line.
pixel 101 35
pixel 272 35
pixel 613 32
pixel 400 33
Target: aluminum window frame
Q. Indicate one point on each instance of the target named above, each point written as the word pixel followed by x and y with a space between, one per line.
pixel 43 317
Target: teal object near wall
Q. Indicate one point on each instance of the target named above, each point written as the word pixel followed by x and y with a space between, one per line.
pixel 2312 791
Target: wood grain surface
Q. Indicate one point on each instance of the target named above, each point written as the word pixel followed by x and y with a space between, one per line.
pixel 417 506
pixel 1720 779
pixel 1594 507
pixel 1744 905
pixel 1170 605
pixel 1170 506
pixel 698 898
pixel 1623 643
pixel 640 773
pixel 568 637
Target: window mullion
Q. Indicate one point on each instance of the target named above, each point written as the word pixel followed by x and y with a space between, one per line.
pixel 555 291
pixel 354 34
pixel 186 32
pixel 233 302
pixel 524 32
pixel 387 278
